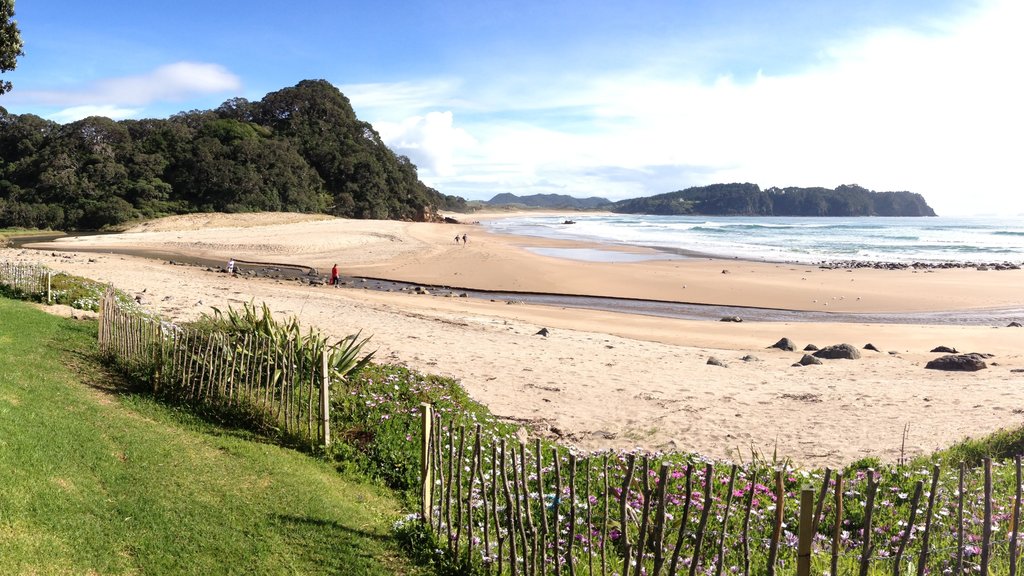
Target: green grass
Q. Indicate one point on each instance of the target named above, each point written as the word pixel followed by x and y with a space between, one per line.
pixel 94 480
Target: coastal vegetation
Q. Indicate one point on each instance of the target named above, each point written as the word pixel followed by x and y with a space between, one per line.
pixel 99 478
pixel 298 149
pixel 495 493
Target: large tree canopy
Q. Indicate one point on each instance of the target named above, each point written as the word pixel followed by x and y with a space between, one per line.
pixel 10 42
pixel 300 149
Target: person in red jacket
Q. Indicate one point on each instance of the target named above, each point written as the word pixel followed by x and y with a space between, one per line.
pixel 334 276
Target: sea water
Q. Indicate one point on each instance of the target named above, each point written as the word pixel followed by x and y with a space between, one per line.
pixel 783 239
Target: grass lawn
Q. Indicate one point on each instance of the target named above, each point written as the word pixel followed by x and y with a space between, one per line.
pixel 96 481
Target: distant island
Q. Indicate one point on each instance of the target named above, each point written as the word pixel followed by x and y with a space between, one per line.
pixel 551 201
pixel 742 199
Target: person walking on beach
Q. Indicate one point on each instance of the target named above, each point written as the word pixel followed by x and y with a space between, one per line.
pixel 464 240
pixel 231 265
pixel 456 238
pixel 334 276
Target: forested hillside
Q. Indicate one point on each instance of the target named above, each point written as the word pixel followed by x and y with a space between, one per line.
pixel 553 201
pixel 298 149
pixel 749 200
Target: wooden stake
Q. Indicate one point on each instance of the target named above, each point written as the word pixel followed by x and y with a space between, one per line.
pixel 725 523
pixel 543 546
pixel 960 522
pixel 623 497
pixel 922 559
pixel 1015 520
pixel 556 505
pixel 508 514
pixel 745 530
pixel 590 518
pixel 898 559
pixel 658 537
pixel 531 528
pixel 773 548
pixel 458 487
pixel 986 529
pixel 682 523
pixel 325 420
pixel 570 563
pixel 426 433
pixel 819 503
pixel 803 545
pixel 869 507
pixel 469 494
pixel 708 481
pixel 604 521
pixel 641 538
pixel 837 529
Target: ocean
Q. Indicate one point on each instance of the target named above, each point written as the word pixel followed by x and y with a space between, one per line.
pixel 776 239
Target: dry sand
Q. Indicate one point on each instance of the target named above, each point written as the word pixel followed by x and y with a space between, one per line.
pixel 602 379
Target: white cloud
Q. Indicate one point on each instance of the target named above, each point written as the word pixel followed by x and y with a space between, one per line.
pixel 170 83
pixel 402 99
pixel 934 112
pixel 431 141
pixel 79 112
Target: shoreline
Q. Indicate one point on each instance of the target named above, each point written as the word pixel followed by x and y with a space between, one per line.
pixel 550 230
pixel 643 306
pixel 602 379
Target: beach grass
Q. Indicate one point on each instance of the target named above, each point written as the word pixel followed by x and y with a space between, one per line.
pixel 96 481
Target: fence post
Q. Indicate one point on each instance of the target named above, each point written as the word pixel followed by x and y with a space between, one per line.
pixel 49 299
pixel 986 531
pixel 325 400
pixel 803 546
pixel 773 547
pixel 426 478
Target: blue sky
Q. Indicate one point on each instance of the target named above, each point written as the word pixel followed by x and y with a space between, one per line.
pixel 613 99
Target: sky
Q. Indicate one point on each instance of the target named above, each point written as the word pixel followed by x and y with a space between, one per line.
pixel 585 98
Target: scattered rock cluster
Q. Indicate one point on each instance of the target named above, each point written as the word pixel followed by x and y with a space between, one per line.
pixel 952 360
pixel 983 266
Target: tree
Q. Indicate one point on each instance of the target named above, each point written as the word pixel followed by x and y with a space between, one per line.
pixel 10 42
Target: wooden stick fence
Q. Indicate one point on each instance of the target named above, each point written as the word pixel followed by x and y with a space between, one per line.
pixel 509 509
pixel 30 279
pixel 255 375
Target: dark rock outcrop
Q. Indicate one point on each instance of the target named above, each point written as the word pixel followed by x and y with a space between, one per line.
pixel 870 346
pixel 731 319
pixel 808 360
pixel 945 349
pixel 784 344
pixel 716 362
pixel 810 348
pixel 958 362
pixel 838 351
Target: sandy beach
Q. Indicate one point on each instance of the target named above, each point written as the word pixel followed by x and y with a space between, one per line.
pixel 603 379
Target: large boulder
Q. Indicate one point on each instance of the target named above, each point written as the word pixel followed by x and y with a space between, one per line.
pixel 784 344
pixel 945 349
pixel 958 362
pixel 847 351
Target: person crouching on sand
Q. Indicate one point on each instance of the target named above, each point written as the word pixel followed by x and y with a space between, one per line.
pixel 334 276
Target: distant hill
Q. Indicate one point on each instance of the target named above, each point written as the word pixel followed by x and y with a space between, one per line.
pixel 749 200
pixel 555 201
pixel 299 149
